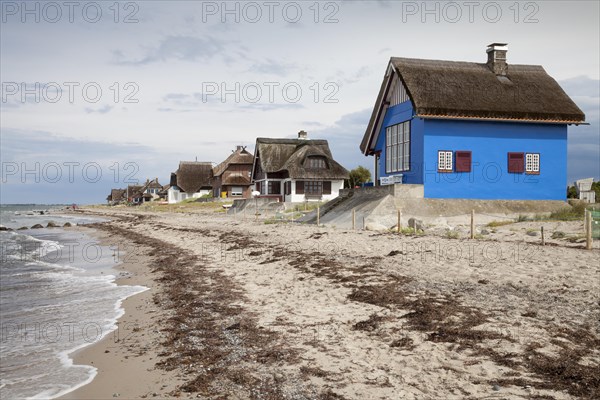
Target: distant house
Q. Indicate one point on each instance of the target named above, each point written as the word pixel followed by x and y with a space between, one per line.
pixel 135 194
pixel 192 179
pixel 296 170
pixel 471 130
pixel 233 176
pixel 584 190
pixel 116 196
pixel 152 187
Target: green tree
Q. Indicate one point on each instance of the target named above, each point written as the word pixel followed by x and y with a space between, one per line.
pixel 358 176
pixel 596 188
pixel 571 192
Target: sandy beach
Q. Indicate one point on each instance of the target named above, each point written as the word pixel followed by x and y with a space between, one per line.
pixel 244 309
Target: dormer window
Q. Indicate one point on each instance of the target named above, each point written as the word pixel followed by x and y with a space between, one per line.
pixel 315 163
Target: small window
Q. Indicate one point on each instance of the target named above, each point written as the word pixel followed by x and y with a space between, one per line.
pixel 314 188
pixel 463 161
pixel 516 163
pixel 445 161
pixel 532 163
pixel 237 191
pixel 274 187
pixel 315 163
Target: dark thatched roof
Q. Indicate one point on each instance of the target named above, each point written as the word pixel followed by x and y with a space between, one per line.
pixel 278 155
pixel 191 176
pixel 466 90
pixel 239 156
pixel 237 180
pixel 116 195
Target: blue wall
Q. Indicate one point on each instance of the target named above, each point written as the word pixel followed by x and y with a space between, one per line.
pixel 489 143
pixel 396 115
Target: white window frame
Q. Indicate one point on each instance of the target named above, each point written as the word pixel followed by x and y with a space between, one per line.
pixel 445 161
pixel 397 148
pixel 532 163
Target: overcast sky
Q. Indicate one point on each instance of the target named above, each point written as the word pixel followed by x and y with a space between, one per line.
pixel 131 89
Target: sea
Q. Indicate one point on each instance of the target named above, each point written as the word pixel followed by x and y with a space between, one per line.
pixel 57 295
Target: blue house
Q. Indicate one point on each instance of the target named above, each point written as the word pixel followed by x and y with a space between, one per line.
pixel 472 130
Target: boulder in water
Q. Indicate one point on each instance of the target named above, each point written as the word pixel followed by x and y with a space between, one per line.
pixel 51 224
pixel 37 226
pixel 3 228
pixel 67 225
pixel 22 228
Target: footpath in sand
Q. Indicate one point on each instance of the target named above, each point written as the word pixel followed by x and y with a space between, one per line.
pixel 255 310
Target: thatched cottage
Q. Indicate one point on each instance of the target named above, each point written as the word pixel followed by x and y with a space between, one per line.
pixel 296 170
pixel 192 179
pixel 232 177
pixel 472 130
pixel 116 196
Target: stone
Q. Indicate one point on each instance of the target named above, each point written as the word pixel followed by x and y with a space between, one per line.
pixel 3 228
pixel 558 235
pixel 485 232
pixel 532 233
pixel 374 226
pixel 51 224
pixel 67 225
pixel 37 226
pixel 412 222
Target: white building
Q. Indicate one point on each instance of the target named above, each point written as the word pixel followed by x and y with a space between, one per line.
pixel 296 170
pixel 192 179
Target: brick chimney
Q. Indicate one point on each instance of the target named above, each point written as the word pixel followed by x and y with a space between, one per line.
pixel 497 58
pixel 239 148
pixel 302 135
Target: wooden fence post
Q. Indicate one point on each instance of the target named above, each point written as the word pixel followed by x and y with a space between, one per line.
pixel 354 219
pixel 399 227
pixel 543 241
pixel 472 224
pixel 318 215
pixel 588 230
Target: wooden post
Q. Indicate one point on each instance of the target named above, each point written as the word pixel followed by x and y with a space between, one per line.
pixel 588 230
pixel 364 227
pixel 472 224
pixel 543 241
pixel 354 219
pixel 399 218
pixel 318 215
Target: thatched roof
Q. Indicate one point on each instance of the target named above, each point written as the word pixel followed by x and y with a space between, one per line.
pixel 466 90
pixel 239 156
pixel 116 195
pixel 278 155
pixel 191 176
pixel 237 180
pixel 134 190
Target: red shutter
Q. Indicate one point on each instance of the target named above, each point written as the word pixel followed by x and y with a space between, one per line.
pixel 463 161
pixel 326 187
pixel 516 163
pixel 299 187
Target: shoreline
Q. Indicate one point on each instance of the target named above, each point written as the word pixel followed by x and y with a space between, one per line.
pixel 124 357
pixel 263 308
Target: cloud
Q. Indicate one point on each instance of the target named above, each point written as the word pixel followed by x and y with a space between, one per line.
pixel 272 67
pixel 583 150
pixel 43 167
pixel 344 137
pixel 103 110
pixel 184 48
